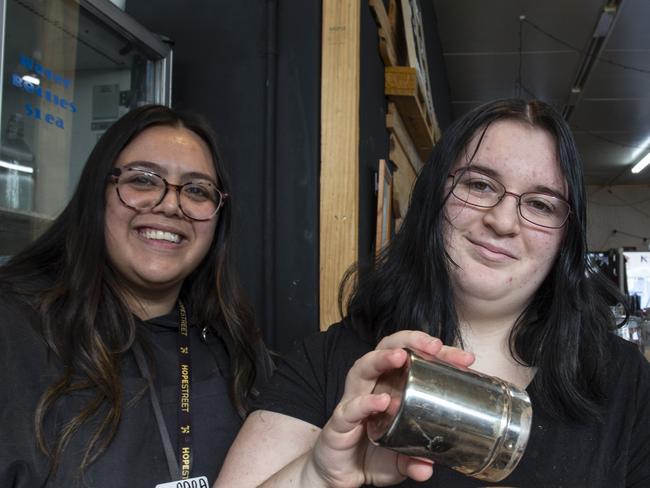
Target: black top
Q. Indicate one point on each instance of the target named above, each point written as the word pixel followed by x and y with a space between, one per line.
pixel 616 453
pixel 135 456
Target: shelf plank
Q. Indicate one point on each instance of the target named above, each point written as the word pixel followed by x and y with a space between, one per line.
pixel 402 88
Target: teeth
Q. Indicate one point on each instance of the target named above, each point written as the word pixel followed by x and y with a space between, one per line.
pixel 160 235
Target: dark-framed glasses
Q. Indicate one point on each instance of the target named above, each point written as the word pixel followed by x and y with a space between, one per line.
pixel 141 189
pixel 474 187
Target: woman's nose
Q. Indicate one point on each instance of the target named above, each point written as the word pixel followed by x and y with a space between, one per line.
pixel 170 204
pixel 503 218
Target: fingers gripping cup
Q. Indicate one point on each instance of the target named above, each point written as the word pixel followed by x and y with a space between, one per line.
pixel 470 422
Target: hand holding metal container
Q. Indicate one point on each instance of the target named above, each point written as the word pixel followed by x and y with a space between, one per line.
pixel 473 423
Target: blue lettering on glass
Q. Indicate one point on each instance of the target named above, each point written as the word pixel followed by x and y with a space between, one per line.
pixel 39 69
pixel 28 87
pixel 37 114
pixel 46 94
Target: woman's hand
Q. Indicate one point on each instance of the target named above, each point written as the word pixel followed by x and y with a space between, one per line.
pixel 343 456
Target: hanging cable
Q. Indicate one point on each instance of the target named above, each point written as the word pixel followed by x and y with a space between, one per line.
pixel 574 48
pixel 616 231
pixel 519 82
pixel 642 212
pixel 603 138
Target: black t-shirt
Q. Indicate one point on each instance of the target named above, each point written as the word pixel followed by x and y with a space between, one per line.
pixel 135 456
pixel 615 453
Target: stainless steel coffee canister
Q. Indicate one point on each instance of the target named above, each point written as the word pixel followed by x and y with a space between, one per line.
pixel 473 423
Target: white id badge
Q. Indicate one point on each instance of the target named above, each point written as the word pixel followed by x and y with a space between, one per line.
pixel 198 482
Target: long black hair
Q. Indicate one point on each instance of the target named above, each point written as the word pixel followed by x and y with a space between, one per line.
pixel 563 329
pixel 84 317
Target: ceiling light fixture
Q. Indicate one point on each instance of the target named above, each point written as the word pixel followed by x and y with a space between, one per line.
pixel 640 166
pixel 17 167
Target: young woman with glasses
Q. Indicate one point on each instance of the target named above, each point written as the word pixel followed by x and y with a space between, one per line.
pixel 128 352
pixel 491 259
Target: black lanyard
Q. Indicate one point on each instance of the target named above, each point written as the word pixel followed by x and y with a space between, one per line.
pixel 184 413
pixel 176 471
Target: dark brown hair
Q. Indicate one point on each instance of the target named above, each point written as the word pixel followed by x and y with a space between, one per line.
pixel 85 321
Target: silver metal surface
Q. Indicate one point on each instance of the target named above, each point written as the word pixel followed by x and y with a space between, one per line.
pixel 473 423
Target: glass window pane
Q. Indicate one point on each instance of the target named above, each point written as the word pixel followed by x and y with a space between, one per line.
pixel 67 75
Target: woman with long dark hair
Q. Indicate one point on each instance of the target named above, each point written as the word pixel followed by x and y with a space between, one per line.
pixel 491 258
pixel 128 352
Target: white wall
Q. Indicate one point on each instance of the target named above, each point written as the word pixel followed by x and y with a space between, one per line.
pixel 624 209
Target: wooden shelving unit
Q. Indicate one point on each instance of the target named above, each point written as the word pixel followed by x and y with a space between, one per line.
pixel 410 121
pixel 406 73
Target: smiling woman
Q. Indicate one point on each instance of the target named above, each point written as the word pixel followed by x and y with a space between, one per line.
pixel 490 258
pixel 153 243
pixel 126 322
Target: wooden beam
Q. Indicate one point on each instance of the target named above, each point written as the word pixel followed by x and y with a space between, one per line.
pixel 339 178
pixel 403 181
pixel 409 37
pixel 386 33
pixel 395 125
pixel 384 217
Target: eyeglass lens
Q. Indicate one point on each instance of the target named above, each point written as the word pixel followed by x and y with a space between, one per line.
pixel 478 189
pixel 142 190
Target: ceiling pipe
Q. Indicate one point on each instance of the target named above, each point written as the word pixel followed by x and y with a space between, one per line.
pixel 601 33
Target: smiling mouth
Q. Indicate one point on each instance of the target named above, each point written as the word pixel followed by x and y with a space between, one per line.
pixel 492 250
pixel 159 235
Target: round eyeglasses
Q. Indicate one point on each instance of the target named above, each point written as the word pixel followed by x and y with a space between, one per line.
pixel 480 190
pixel 143 190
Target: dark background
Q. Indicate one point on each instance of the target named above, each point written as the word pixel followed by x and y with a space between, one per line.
pixel 253 68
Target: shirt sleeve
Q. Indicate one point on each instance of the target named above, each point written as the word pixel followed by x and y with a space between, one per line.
pixel 310 380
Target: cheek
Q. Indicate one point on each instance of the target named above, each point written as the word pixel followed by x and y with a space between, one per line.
pixel 117 222
pixel 459 216
pixel 452 212
pixel 113 204
pixel 545 251
pixel 550 244
pixel 116 215
pixel 448 228
pixel 112 225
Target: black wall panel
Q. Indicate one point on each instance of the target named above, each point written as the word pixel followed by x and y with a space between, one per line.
pixel 437 67
pixel 295 287
pixel 373 135
pixel 253 68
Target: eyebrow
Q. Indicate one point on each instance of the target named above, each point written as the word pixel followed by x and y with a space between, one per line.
pixel 156 168
pixel 537 189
